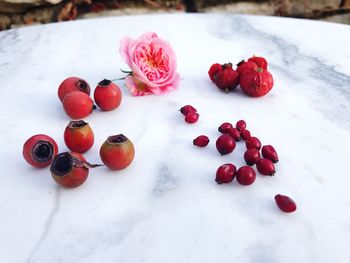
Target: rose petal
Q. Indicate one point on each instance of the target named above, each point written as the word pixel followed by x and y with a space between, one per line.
pixel 136 87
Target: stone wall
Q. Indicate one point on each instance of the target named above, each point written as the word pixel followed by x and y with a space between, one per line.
pixel 20 12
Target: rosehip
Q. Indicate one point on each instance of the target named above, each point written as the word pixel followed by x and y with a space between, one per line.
pixel 245 175
pixel 235 134
pixel 269 153
pixel 107 95
pixel 215 68
pixel 253 142
pixel 225 173
pixel 256 83
pixel 39 150
pixel 226 79
pixel 245 67
pixel 78 105
pixel 265 167
pixel 187 109
pixel 259 61
pixel 191 117
pixel 225 144
pixel 79 136
pixel 225 127
pixel 251 155
pixel 201 141
pixel 117 152
pixel 241 125
pixel 245 134
pixel 285 203
pixel 72 84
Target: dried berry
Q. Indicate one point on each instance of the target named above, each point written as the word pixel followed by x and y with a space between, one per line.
pixel 259 61
pixel 226 79
pixel 256 83
pixel 215 68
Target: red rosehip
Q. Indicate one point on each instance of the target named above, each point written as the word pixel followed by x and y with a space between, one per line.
pixel 253 142
pixel 285 203
pixel 72 84
pixel 259 61
pixel 256 83
pixel 245 134
pixel 269 153
pixel 245 175
pixel 265 167
pixel 201 141
pixel 225 127
pixel 225 173
pixel 117 152
pixel 226 79
pixel 245 67
pixel 251 156
pixel 191 117
pixel 78 105
pixel 215 68
pixel 235 134
pixel 225 144
pixel 39 150
pixel 78 136
pixel 107 95
pixel 187 109
pixel 241 125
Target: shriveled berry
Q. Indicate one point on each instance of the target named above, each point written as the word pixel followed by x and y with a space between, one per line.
pixel 259 61
pixel 236 135
pixel 269 153
pixel 241 125
pixel 245 134
pixel 245 67
pixel 265 167
pixel 201 141
pixel 253 142
pixel 285 203
pixel 225 173
pixel 215 68
pixel 191 117
pixel 225 144
pixel 187 109
pixel 256 83
pixel 251 155
pixel 226 79
pixel 225 127
pixel 245 175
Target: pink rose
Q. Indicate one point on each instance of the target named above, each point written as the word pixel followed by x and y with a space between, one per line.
pixel 153 65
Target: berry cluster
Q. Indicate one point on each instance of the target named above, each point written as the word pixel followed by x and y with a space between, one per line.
pixel 245 175
pixel 252 76
pixel 190 113
pixel 70 169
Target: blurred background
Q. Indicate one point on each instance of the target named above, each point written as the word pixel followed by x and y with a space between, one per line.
pixel 15 13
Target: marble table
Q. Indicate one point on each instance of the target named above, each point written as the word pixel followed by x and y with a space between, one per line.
pixel 166 206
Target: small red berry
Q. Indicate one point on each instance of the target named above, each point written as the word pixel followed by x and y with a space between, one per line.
pixel 78 105
pixel 72 84
pixel 259 61
pixel 226 79
pixel 39 150
pixel 241 125
pixel 225 127
pixel 107 95
pixel 215 68
pixel 245 175
pixel 78 136
pixel 251 155
pixel 191 117
pixel 253 142
pixel 269 153
pixel 265 167
pixel 236 135
pixel 201 141
pixel 187 109
pixel 245 134
pixel 225 144
pixel 256 83
pixel 245 67
pixel 285 203
pixel 225 173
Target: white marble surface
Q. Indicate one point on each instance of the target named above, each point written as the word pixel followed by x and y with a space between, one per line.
pixel 166 207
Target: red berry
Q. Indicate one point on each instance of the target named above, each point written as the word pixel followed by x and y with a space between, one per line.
pixel 191 117
pixel 39 150
pixel 256 83
pixel 107 95
pixel 245 67
pixel 245 134
pixel 285 203
pixel 225 144
pixel 253 142
pixel 72 84
pixel 201 141
pixel 226 79
pixel 215 68
pixel 225 173
pixel 259 61
pixel 251 155
pixel 78 105
pixel 78 136
pixel 117 152
pixel 225 127
pixel 269 153
pixel 245 175
pixel 187 109
pixel 241 125
pixel 265 167
pixel 235 134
